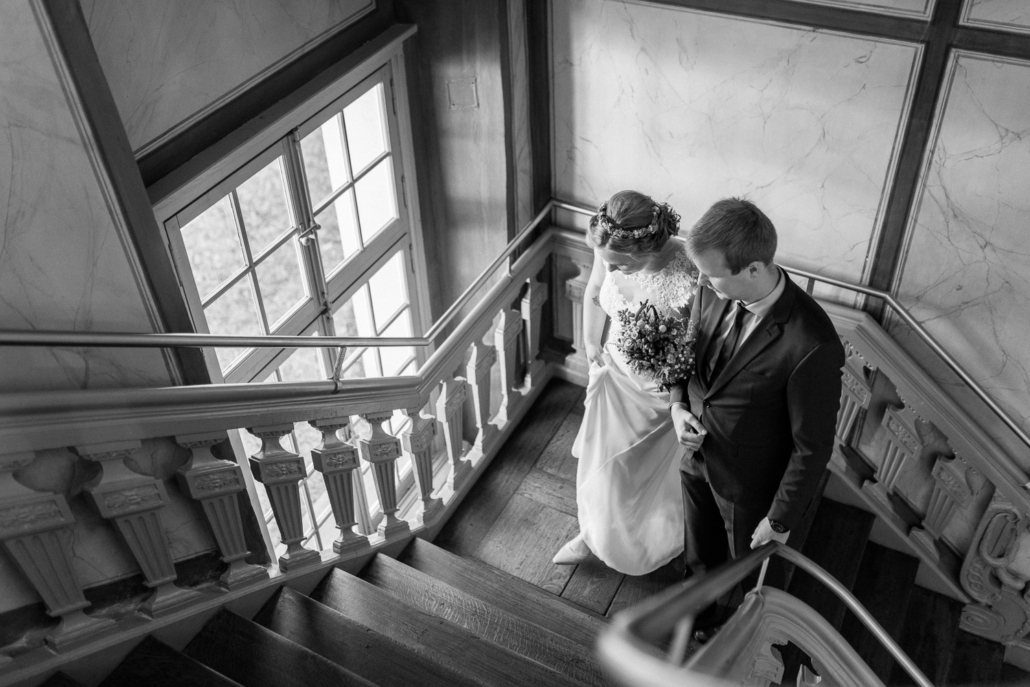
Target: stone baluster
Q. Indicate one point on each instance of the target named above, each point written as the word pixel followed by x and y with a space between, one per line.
pixel 382 450
pixel 955 484
pixel 506 341
pixel 532 307
pixel 856 393
pixel 135 502
pixel 417 441
pixel 449 411
pixel 337 460
pixel 478 370
pixel 216 483
pixel 902 445
pixel 575 288
pixel 280 471
pixel 36 530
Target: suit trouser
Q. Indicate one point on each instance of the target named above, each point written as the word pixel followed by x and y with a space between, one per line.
pixel 717 530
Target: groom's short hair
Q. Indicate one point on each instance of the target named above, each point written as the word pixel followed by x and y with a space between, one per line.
pixel 739 230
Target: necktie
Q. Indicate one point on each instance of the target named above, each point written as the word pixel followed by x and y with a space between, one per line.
pixel 729 343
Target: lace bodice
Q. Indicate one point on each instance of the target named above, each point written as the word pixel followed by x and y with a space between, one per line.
pixel 670 289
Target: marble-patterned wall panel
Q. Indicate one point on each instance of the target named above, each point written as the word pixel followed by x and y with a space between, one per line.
pixel 965 274
pixel 169 62
pixel 1004 15
pixel 62 263
pixel 920 9
pixel 692 107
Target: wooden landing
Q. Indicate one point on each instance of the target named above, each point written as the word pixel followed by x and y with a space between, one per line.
pixel 524 508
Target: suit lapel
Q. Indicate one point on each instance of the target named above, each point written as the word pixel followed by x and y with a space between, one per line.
pixel 711 311
pixel 768 331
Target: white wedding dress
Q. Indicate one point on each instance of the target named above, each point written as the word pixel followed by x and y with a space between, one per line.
pixel 627 480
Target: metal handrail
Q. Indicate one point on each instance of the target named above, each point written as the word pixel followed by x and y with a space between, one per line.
pixel 898 310
pixel 638 629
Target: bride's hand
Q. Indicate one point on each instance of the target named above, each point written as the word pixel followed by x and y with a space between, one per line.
pixel 595 354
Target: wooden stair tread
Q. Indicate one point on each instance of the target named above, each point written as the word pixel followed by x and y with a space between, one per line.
pixel 257 657
pixel 505 591
pixel 432 636
pixel 484 619
pixel 928 636
pixel 156 664
pixel 357 648
pixel 974 661
pixel 883 585
pixel 464 532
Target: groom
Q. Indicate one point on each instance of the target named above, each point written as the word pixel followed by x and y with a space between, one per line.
pixel 761 408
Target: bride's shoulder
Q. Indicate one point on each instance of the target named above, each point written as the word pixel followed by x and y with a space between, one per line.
pixel 681 261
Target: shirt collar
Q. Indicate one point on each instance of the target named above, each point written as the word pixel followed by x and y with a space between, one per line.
pixel 762 307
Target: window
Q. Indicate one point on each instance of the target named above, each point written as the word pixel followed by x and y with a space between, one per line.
pixel 308 231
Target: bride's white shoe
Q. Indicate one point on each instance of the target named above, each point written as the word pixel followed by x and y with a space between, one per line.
pixel 574 552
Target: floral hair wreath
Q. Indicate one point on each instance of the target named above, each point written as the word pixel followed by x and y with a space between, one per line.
pixel 619 232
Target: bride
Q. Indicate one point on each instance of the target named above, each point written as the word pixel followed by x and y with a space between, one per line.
pixel 627 483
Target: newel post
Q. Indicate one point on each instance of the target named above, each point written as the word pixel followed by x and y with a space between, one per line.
pixel 134 502
pixel 36 530
pixel 337 460
pixel 281 471
pixel 382 450
pixel 417 441
pixel 216 483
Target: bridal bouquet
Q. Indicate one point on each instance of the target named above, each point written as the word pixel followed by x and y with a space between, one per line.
pixel 657 346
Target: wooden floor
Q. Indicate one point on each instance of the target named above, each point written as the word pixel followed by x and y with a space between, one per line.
pixel 524 508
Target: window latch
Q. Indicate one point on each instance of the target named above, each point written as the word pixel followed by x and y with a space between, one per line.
pixel 307 235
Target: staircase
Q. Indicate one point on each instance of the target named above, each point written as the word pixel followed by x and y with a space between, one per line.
pixel 430 618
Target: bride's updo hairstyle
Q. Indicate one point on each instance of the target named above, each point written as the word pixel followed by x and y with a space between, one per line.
pixel 632 223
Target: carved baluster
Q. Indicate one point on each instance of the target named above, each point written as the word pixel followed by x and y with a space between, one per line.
pixel 382 450
pixel 478 370
pixel 449 410
pixel 36 530
pixel 532 305
pixel 955 483
pixel 215 483
pixel 337 460
pixel 281 471
pixel 417 441
pixel 506 340
pixel 903 445
pixel 574 290
pixel 856 393
pixel 994 574
pixel 134 502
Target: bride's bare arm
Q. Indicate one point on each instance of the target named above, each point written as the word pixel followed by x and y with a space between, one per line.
pixel 593 316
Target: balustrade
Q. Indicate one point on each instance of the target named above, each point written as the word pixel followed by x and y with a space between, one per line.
pixel 481 361
pixel 134 502
pixel 417 441
pixel 381 450
pixel 575 289
pixel 532 307
pixel 449 411
pixel 336 460
pixel 506 340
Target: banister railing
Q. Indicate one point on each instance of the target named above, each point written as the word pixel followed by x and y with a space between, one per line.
pixel 628 647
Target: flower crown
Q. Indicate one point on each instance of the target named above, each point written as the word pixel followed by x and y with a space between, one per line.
pixel 619 232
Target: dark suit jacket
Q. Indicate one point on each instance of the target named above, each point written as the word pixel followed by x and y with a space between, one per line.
pixel 772 411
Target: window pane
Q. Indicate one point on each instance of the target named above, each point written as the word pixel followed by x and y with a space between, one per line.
pixel 324 162
pixel 377 202
pixel 364 366
pixel 389 290
pixel 213 246
pixel 281 282
pixel 303 365
pixel 263 206
pixel 234 313
pixel 353 318
pixel 366 128
pixel 395 358
pixel 338 238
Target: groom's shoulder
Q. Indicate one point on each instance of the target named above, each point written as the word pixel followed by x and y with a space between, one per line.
pixel 810 317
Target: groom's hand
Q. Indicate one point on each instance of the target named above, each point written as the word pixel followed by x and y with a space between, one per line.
pixel 764 533
pixel 688 428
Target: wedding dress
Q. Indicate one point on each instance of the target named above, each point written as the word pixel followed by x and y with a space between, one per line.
pixel 627 481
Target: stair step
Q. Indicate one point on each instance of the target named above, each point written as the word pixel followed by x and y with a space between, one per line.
pixel 835 542
pixel 884 586
pixel 257 657
pixel 59 679
pixel 365 652
pixel 156 664
pixel 928 636
pixel 975 661
pixel 486 620
pixel 472 656
pixel 508 593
